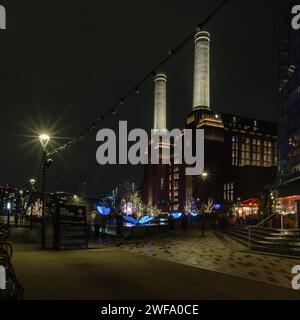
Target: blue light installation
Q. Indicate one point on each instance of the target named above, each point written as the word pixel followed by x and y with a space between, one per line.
pixel 104 211
pixel 142 220
pixel 176 215
pixel 194 214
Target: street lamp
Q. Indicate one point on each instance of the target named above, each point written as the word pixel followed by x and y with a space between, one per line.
pixel 204 175
pixel 8 208
pixel 44 140
pixel 32 181
pixel 22 205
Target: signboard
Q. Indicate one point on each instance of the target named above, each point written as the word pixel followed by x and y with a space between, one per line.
pixel 70 228
pixel 2 278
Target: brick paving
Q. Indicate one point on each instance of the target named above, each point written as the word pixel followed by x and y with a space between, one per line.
pixel 214 253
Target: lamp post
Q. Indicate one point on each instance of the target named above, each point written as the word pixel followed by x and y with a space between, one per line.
pixel 44 140
pixel 22 206
pixel 204 176
pixel 8 208
pixel 32 181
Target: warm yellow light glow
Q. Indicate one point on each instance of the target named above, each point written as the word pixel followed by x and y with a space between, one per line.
pixel 32 181
pixel 204 174
pixel 44 139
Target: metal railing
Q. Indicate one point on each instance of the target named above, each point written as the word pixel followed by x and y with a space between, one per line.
pixel 258 225
pixel 10 287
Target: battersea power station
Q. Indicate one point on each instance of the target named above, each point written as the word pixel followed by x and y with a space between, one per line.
pixel 240 154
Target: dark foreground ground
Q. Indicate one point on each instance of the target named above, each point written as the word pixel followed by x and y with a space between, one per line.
pixel 109 273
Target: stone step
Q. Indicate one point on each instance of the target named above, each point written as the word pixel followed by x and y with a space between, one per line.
pixel 261 240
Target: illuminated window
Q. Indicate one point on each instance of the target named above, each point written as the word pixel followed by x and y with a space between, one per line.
pixel 162 183
pixel 235 151
pixel 229 192
pixel 176 185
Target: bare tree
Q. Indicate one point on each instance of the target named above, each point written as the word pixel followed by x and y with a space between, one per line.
pixel 207 208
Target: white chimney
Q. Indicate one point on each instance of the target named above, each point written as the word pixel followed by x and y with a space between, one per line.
pixel 201 97
pixel 160 102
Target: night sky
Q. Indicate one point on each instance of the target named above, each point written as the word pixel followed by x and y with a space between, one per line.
pixel 64 62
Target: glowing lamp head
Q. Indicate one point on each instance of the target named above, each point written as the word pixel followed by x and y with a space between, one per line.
pixel 44 139
pixel 32 181
pixel 204 175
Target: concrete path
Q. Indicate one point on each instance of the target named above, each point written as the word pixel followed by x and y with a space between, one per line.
pixel 215 254
pixel 111 273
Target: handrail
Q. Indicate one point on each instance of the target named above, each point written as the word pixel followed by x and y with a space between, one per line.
pixel 256 226
pixel 265 220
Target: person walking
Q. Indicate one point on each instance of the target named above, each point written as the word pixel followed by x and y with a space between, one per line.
pixel 97 225
pixel 171 222
pixel 16 220
pixel 103 227
pixel 119 226
pixel 184 221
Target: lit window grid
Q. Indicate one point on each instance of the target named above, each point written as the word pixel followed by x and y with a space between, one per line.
pixel 251 152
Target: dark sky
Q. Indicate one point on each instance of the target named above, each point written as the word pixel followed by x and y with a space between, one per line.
pixel 64 62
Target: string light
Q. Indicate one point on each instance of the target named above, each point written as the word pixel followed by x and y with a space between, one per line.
pixel 136 89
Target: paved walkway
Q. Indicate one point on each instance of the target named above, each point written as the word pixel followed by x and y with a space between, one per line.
pixel 110 273
pixel 215 254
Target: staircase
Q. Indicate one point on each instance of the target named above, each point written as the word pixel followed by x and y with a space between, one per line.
pixel 286 242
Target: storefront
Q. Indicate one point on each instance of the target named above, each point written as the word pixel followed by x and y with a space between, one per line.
pixel 247 208
pixel 289 202
pixel 289 208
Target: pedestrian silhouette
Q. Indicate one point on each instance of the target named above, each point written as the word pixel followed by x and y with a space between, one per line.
pixel 16 220
pixel 97 225
pixel 119 226
pixel 184 221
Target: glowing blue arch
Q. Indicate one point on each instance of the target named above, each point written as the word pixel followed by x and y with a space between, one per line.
pixel 143 220
pixel 194 214
pixel 176 215
pixel 104 211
